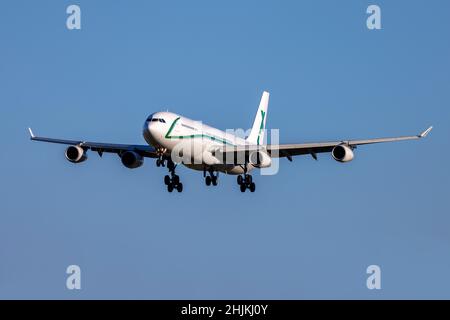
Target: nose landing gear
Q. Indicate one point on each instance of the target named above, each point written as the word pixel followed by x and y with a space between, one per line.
pixel 161 162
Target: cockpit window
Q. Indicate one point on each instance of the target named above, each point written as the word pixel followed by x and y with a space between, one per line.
pixel 157 120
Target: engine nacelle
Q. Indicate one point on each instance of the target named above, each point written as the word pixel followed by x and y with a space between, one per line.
pixel 132 160
pixel 342 153
pixel 260 159
pixel 76 154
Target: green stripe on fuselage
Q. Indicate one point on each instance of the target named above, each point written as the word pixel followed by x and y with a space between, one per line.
pixel 172 126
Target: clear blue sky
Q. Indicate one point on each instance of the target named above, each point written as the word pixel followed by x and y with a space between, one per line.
pixel 308 232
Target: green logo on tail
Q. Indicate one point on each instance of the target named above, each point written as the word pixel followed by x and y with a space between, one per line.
pixel 261 127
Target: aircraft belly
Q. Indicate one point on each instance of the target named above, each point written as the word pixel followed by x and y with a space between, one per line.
pixel 228 169
pixel 191 152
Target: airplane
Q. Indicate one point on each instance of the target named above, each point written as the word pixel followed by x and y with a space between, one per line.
pixel 204 148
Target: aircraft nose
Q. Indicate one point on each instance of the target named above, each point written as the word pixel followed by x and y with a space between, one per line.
pixel 154 130
pixel 149 132
pixel 147 126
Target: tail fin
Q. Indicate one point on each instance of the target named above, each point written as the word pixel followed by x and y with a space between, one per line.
pixel 257 134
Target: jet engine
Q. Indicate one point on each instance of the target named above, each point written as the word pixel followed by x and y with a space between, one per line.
pixel 132 160
pixel 260 159
pixel 342 153
pixel 76 154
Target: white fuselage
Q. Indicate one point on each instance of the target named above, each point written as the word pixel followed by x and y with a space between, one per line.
pixel 170 133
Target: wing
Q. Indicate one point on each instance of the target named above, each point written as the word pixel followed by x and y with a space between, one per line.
pixel 143 150
pixel 290 150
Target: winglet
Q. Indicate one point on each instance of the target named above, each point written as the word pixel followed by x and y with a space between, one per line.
pixel 426 132
pixel 31 133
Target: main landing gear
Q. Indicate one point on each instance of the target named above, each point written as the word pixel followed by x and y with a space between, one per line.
pixel 211 178
pixel 246 182
pixel 173 181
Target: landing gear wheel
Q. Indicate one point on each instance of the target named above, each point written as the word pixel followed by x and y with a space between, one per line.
pixel 170 187
pixel 252 187
pixel 214 180
pixel 243 187
pixel 175 179
pixel 180 187
pixel 239 180
pixel 208 180
pixel 166 180
pixel 158 163
pixel 248 179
